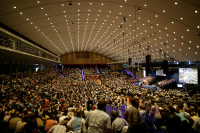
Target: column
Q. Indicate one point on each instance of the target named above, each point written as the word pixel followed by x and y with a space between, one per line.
pixel 11 72
pixel 40 71
pixel 30 74
pixel 17 70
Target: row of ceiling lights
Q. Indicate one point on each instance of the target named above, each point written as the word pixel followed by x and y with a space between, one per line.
pixel 155 16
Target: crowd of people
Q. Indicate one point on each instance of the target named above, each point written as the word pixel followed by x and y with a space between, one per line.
pixel 60 101
pixel 167 83
pixel 147 80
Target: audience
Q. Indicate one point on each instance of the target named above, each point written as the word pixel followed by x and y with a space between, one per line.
pixel 62 102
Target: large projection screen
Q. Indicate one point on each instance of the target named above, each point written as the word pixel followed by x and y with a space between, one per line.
pixel 188 75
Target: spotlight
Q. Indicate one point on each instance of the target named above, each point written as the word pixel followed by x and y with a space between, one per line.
pixel 120 26
pixel 138 9
pixel 124 19
pixel 165 43
pixel 70 3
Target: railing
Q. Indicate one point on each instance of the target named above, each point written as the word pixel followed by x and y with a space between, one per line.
pixel 109 108
pixel 14 42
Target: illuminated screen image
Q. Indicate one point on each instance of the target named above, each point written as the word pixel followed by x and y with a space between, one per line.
pixel 188 75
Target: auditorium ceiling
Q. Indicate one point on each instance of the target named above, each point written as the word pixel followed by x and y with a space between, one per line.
pixel 119 29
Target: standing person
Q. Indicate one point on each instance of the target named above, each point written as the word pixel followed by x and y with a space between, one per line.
pixel 77 122
pixel 154 111
pixel 3 123
pixel 118 123
pixel 122 108
pixel 13 122
pixel 134 118
pixel 98 121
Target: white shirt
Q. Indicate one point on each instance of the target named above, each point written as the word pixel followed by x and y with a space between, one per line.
pixel 118 124
pixel 62 118
pixel 98 121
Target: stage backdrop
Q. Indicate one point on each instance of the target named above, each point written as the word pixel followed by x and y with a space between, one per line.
pixel 175 75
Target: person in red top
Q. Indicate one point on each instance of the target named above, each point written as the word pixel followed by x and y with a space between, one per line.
pixel 50 123
pixel 46 102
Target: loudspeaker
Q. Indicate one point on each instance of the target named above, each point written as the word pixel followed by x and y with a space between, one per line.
pixel 165 66
pixel 129 61
pixel 148 59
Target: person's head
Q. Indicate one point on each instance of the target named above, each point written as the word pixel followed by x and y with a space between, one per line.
pixel 16 114
pixel 113 112
pixel 53 116
pixel 2 114
pixel 25 119
pixel 180 106
pixel 142 107
pixel 102 105
pixel 65 112
pixel 198 111
pixel 31 117
pixel 135 102
pixel 153 101
pixel 78 113
pixel 172 109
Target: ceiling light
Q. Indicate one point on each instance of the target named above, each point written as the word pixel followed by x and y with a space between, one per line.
pixel 90 3
pixel 182 18
pixel 156 15
pixel 163 10
pixel 14 6
pixel 31 22
pixel 188 30
pixel 139 9
pixel 196 11
pixel 42 8
pixel 102 4
pixel 99 10
pixel 78 3
pixel 20 12
pixel 38 1
pixel 120 13
pixel 125 0
pixel 197 46
pixel 121 6
pixel 45 14
pixel 124 19
pixel 172 22
pixel 176 3
pixel 197 26
pixel 145 5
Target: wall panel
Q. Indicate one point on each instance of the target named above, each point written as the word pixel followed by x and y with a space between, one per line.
pixel 95 58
